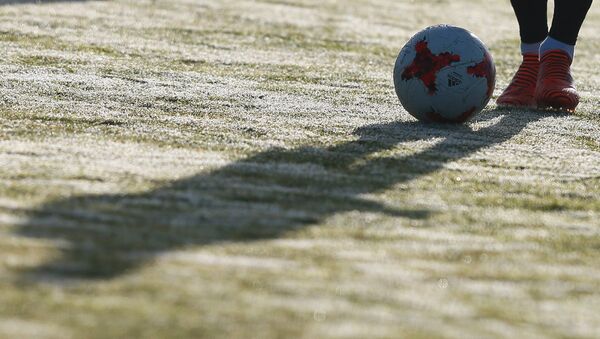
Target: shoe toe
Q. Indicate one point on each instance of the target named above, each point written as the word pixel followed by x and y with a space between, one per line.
pixel 559 98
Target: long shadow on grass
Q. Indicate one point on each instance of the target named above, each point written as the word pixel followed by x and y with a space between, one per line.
pixel 260 197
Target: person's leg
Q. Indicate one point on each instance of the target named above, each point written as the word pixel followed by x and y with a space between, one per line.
pixel 566 23
pixel 533 22
pixel 555 84
pixel 533 28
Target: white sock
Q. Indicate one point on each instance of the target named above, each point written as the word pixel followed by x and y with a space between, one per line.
pixel 551 43
pixel 530 48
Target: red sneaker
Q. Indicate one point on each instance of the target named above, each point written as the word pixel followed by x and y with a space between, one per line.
pixel 555 84
pixel 521 90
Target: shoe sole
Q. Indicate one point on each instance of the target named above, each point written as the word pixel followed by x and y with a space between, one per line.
pixel 558 100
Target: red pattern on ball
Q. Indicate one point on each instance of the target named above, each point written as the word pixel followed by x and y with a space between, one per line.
pixel 426 65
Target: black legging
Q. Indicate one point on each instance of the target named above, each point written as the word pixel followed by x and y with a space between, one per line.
pixel 567 20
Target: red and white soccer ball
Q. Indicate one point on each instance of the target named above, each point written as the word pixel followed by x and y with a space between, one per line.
pixel 444 74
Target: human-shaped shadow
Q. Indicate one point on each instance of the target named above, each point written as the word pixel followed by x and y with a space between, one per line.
pixel 260 197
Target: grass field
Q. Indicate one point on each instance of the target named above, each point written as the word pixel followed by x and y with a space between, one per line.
pixel 233 168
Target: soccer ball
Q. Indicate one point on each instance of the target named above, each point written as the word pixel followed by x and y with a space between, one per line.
pixel 444 74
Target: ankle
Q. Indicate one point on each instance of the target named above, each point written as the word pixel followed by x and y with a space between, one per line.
pixel 530 48
pixel 551 44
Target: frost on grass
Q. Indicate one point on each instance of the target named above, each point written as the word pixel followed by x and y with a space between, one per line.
pixel 218 168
